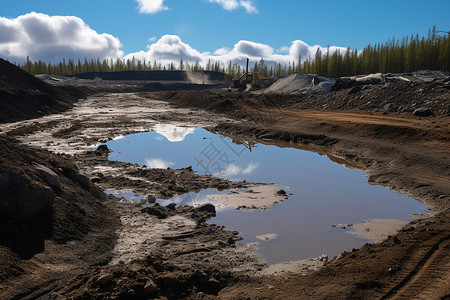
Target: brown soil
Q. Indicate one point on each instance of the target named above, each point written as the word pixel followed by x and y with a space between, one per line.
pixel 39 252
pixel 181 256
pixel 398 150
pixel 23 96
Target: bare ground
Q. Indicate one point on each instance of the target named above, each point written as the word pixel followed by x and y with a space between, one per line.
pixel 187 258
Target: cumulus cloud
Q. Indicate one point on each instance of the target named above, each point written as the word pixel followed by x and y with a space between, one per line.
pixel 52 38
pixel 151 6
pixel 170 48
pixel 231 5
pixel 167 49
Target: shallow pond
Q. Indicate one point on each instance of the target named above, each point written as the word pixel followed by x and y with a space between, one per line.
pixel 324 193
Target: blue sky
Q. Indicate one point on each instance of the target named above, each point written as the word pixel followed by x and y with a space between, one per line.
pixel 207 25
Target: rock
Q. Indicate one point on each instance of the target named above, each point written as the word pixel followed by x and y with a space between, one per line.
pixel 214 282
pixel 389 107
pixel 231 241
pixel 150 199
pixel 48 175
pixel 23 199
pixel 179 189
pixel 81 179
pixel 150 287
pixel 102 148
pixel 96 179
pixel 423 112
pixel 158 211
pixel 208 207
pixel 323 258
pixel 171 206
pixel 169 280
pixel 281 192
pixel 105 279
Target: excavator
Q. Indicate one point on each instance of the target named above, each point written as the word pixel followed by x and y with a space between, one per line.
pixel 248 81
pixel 244 81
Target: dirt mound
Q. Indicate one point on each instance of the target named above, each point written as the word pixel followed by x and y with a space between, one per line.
pixel 23 96
pixel 399 97
pixel 48 208
pixel 375 79
pixel 301 83
pixel 42 196
pixel 144 279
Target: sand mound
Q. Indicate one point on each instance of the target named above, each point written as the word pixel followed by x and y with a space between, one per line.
pixel 301 83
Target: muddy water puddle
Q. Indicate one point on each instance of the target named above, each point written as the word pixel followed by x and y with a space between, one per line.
pixel 323 195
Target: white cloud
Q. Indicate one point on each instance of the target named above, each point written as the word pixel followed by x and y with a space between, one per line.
pixel 233 170
pixel 283 49
pixel 227 4
pixel 158 163
pixel 167 49
pixel 52 38
pixel 250 168
pixel 173 133
pixel 249 7
pixel 151 6
pixel 152 39
pixel 231 5
pixel 170 48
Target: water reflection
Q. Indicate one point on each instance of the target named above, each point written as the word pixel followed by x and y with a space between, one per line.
pixel 192 199
pixel 324 193
pixel 173 133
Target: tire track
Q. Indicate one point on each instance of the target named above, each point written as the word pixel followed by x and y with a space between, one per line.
pixel 430 279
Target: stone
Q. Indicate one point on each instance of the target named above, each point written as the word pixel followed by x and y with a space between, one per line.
pixel 389 107
pixel 180 189
pixel 169 280
pixel 150 199
pixel 105 279
pixel 48 175
pixel 102 148
pixel 96 179
pixel 281 192
pixel 171 206
pixel 423 112
pixel 150 287
pixel 25 199
pixel 323 258
pixel 208 207
pixel 213 282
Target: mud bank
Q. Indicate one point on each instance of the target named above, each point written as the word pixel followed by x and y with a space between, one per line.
pixel 401 151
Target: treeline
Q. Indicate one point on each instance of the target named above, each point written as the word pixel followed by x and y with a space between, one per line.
pixel 71 67
pixel 395 56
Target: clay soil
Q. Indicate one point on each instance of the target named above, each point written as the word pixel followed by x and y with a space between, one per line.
pixel 101 247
